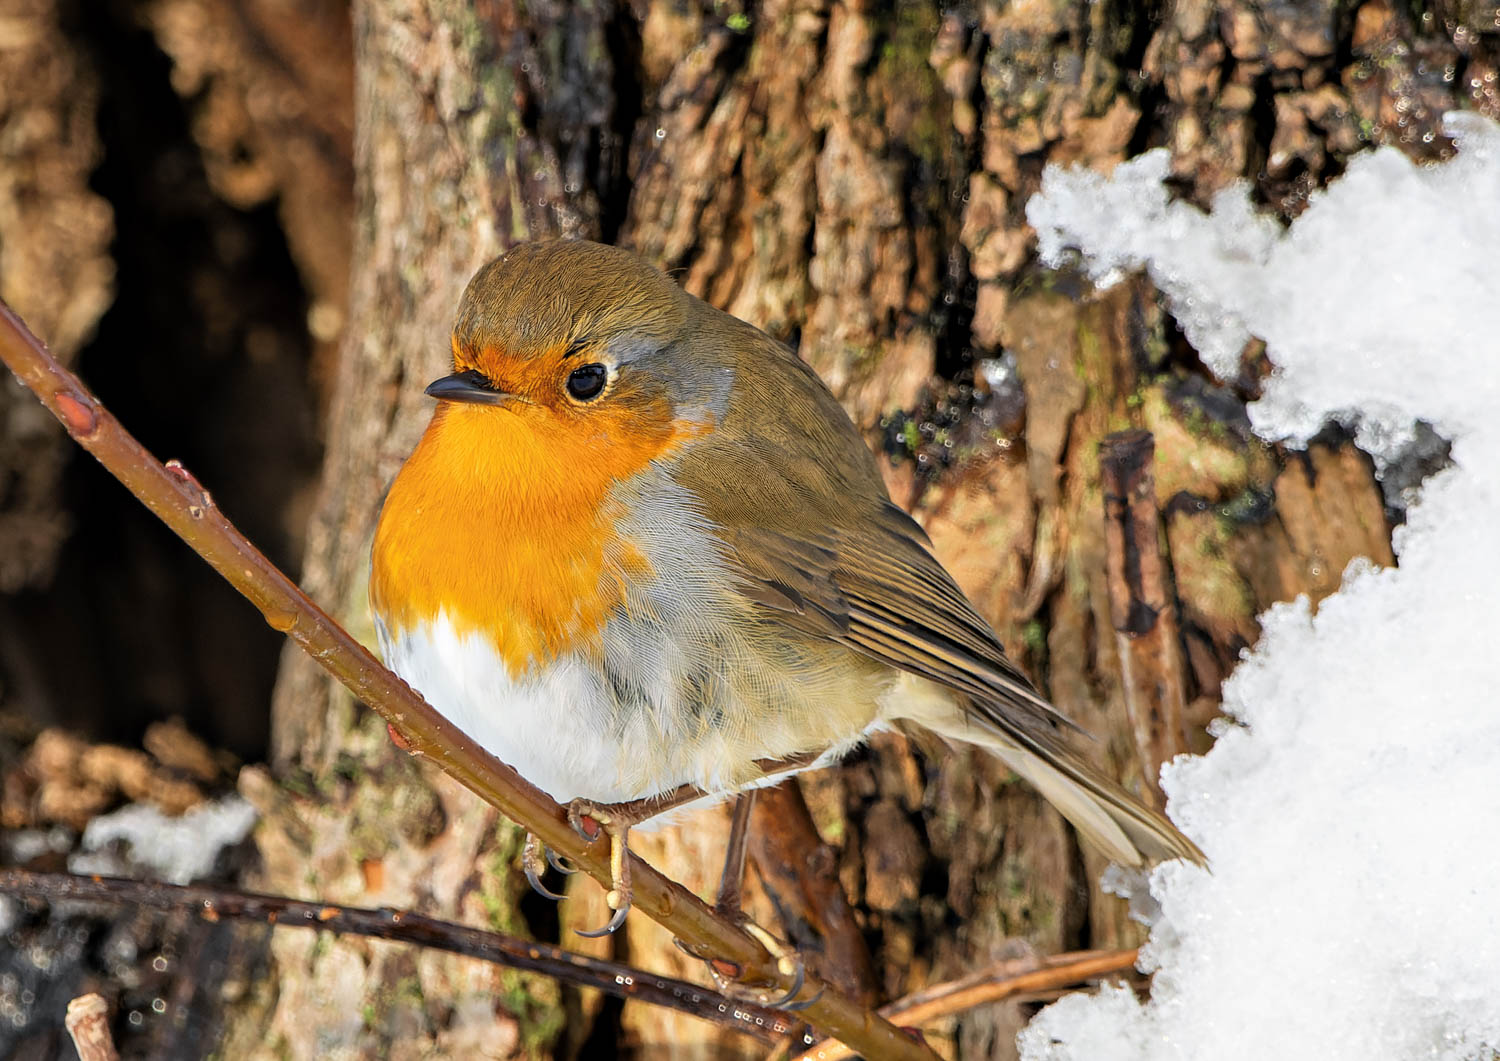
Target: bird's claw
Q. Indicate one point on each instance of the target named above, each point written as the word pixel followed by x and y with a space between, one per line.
pixel 531 863
pixel 788 963
pixel 613 926
pixel 797 1007
pixel 785 1002
pixel 558 863
pixel 590 821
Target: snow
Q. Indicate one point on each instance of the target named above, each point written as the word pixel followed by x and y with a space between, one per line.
pixel 1371 306
pixel 1350 806
pixel 178 850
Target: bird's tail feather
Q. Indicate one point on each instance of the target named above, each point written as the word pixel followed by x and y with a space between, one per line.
pixel 1115 821
pixel 1118 824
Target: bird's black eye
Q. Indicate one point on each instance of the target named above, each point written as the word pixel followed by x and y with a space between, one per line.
pixel 586 381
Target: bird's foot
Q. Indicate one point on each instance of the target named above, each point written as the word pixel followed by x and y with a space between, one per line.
pixel 590 821
pixel 535 857
pixel 789 963
pixel 727 974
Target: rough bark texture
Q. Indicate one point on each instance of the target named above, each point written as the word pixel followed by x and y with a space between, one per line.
pixel 477 127
pixel 203 345
pixel 54 264
pixel 850 176
pixel 1142 604
pixel 271 87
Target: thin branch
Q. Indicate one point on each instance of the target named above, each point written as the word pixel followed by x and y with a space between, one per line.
pixel 1004 980
pixel 1009 978
pixel 402 926
pixel 181 502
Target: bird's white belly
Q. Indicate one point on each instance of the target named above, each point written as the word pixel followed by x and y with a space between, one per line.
pixel 565 728
pixel 551 725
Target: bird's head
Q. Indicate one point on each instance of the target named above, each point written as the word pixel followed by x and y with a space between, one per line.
pixel 581 337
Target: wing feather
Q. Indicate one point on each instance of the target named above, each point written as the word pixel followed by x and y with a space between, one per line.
pixel 818 544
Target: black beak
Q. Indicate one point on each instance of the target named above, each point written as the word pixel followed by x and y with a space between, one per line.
pixel 472 387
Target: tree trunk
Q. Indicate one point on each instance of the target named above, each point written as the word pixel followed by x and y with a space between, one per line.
pixel 852 178
pixel 54 270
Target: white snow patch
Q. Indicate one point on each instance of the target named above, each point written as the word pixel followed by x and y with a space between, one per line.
pixel 1350 806
pixel 1370 305
pixel 176 850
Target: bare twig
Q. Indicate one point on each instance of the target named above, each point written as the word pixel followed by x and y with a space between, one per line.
pixel 87 1022
pixel 1008 978
pixel 1004 980
pixel 1141 602
pixel 181 502
pixel 217 903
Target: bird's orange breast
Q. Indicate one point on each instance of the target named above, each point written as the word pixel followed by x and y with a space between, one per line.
pixel 502 519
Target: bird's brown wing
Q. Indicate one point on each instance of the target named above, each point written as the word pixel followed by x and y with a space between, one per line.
pixel 808 528
pixel 883 594
pixel 818 542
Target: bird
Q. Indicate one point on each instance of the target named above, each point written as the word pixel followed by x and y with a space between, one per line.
pixel 642 555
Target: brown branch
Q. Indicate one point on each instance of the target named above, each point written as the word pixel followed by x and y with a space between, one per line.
pixel 800 873
pixel 403 926
pixel 87 1021
pixel 1006 979
pixel 1141 602
pixel 182 503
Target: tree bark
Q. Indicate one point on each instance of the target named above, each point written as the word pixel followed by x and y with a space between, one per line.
pixel 271 92
pixel 850 177
pixel 459 152
pixel 55 268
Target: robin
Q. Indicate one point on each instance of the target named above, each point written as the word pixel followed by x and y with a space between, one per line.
pixel 642 555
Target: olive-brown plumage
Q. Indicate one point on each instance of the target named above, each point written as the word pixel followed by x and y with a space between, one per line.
pixel 685 557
